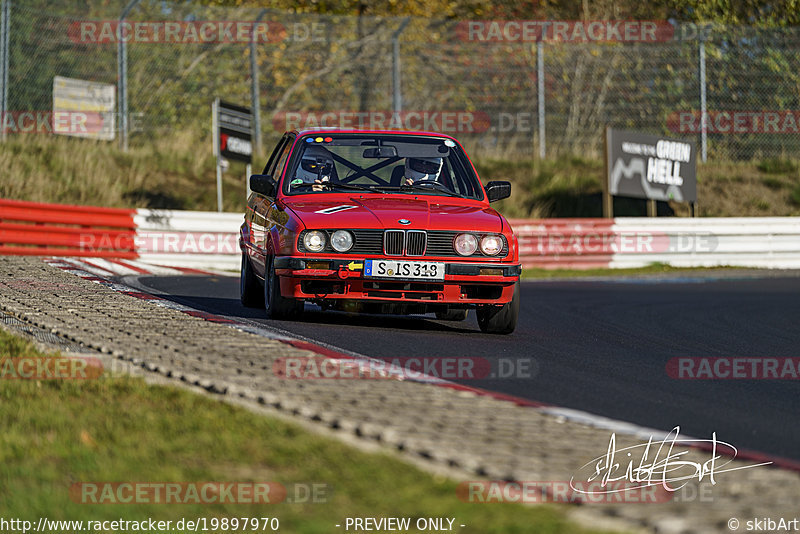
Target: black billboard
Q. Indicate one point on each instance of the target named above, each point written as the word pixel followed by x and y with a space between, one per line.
pixel 651 166
pixel 233 131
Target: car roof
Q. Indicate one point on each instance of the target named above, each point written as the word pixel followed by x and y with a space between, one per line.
pixel 331 129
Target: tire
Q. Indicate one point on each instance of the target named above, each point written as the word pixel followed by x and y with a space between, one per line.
pixel 276 306
pixel 452 315
pixel 250 291
pixel 500 319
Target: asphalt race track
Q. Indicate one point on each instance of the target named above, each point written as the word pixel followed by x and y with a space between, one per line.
pixel 598 346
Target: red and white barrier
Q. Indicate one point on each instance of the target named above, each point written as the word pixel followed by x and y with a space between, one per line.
pixel 564 243
pixel 33 228
pixel 122 241
pixel 209 240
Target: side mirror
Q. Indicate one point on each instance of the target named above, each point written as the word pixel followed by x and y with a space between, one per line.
pixel 263 184
pixel 498 190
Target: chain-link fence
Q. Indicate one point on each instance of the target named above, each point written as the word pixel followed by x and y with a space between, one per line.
pixel 504 90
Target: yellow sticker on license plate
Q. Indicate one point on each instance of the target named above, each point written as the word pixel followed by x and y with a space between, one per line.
pixel 417 270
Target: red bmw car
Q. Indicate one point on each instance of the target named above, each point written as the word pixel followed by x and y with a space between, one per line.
pixel 378 222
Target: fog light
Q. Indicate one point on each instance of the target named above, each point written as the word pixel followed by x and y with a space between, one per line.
pixel 318 265
pixel 492 272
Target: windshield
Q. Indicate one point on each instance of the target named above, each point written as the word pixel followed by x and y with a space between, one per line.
pixel 381 164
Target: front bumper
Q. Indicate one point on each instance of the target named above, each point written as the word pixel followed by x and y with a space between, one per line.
pixel 463 284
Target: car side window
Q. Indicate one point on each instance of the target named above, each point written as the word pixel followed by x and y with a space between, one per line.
pixel 273 158
pixel 276 171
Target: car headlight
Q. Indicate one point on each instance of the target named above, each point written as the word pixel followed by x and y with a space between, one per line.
pixel 314 241
pixel 491 245
pixel 342 240
pixel 466 244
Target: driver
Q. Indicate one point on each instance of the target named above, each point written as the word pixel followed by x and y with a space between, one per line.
pixel 422 169
pixel 316 167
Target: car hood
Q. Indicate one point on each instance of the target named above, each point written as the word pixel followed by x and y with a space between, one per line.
pixel 385 212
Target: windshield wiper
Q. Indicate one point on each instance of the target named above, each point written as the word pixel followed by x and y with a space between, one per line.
pixel 429 185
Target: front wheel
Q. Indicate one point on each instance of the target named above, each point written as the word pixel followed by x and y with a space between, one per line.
pixel 500 319
pixel 250 292
pixel 276 306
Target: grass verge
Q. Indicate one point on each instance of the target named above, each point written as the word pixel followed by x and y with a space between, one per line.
pixel 572 187
pixel 56 433
pixel 177 172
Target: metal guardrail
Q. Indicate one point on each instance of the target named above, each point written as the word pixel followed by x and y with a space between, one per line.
pixel 626 242
pixel 209 240
pixel 768 242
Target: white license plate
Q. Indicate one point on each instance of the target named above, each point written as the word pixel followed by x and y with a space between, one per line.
pixel 423 270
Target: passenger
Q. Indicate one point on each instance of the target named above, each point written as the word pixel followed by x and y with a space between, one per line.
pixel 316 167
pixel 422 169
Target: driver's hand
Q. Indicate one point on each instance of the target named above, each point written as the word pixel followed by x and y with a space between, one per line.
pixel 409 181
pixel 317 185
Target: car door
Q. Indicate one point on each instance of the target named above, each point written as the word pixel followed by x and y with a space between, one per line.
pixel 267 218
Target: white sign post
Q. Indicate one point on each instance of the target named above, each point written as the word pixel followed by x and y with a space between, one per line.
pixel 83 109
